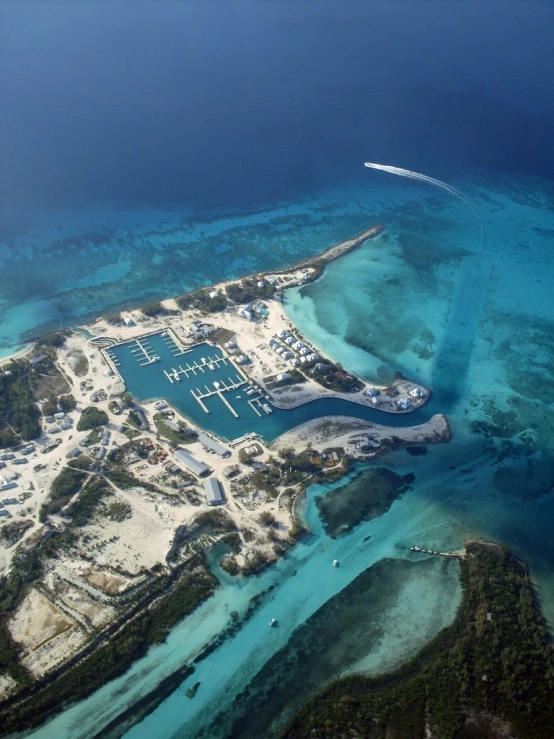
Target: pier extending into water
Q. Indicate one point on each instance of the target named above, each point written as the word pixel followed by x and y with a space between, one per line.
pixel 169 337
pixel 143 352
pixel 220 387
pixel 208 364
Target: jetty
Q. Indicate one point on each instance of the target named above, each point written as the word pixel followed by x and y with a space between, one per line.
pixel 456 555
pixel 220 387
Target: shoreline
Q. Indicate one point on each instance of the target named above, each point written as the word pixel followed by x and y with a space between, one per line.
pixel 327 256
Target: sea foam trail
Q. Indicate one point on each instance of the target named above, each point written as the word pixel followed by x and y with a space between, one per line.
pixel 453 356
pixel 429 180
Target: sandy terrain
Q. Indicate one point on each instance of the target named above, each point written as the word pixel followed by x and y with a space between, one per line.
pixel 342 430
pixel 7 685
pixel 154 521
pixel 140 541
pixel 46 633
pixel 37 621
pixel 57 650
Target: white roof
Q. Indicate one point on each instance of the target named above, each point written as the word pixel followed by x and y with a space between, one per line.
pixel 191 463
pixel 213 490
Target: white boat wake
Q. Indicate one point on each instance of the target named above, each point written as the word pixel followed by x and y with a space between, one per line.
pixel 418 177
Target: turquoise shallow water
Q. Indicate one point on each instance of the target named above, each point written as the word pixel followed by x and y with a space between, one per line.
pixel 468 311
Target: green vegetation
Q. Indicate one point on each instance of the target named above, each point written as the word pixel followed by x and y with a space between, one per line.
pixel 155 308
pixel 296 467
pixel 217 521
pixel 335 378
pixel 26 568
pixel 19 416
pixel 294 377
pixel 247 290
pixel 222 335
pixel 126 400
pixel 80 463
pixel 83 509
pixel 11 533
pixel 493 665
pixel 201 300
pixel 257 561
pixel 266 518
pixel 63 488
pixel 114 319
pixel 133 419
pixel 244 457
pixel 182 591
pixel 124 480
pixel 370 494
pixel 54 339
pixel 118 511
pixel 92 418
pixel 55 404
pixel 183 436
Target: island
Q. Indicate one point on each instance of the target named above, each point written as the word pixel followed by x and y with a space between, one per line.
pixel 133 445
pixel 489 674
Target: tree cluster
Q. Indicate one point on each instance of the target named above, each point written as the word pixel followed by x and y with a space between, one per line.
pixel 248 290
pixel 92 418
pixel 19 416
pixel 154 308
pixel 53 405
pixel 63 488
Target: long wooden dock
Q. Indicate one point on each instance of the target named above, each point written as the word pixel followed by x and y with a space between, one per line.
pixel 252 405
pixel 198 399
pixel 229 406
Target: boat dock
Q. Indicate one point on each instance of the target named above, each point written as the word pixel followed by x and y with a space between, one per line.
pixel 208 364
pixel 220 387
pixel 253 404
pixel 456 555
pixel 170 340
pixel 112 359
pixel 143 352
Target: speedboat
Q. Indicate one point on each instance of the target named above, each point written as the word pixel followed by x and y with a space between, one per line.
pixel 273 622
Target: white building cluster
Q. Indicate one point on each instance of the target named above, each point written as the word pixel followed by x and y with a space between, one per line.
pixel 293 350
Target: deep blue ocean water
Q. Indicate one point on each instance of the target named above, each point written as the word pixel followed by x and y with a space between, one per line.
pixel 149 148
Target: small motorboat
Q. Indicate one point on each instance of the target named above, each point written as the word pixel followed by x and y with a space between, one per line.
pixel 335 563
pixel 273 622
